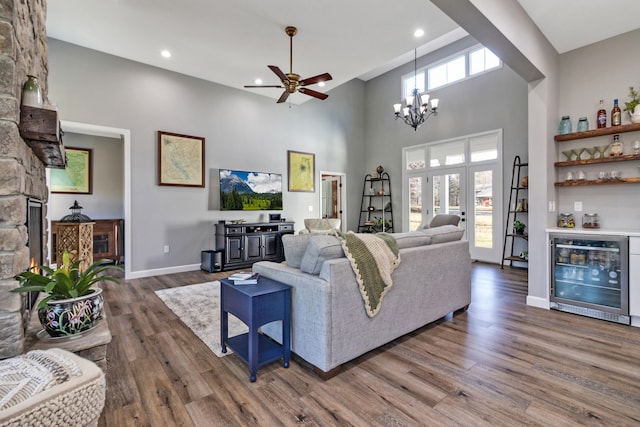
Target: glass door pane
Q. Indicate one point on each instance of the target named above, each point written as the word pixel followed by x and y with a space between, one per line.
pixel 447 194
pixel 483 209
pixel 415 203
pixel 484 221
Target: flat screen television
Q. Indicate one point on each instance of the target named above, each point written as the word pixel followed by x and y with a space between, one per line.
pixel 250 191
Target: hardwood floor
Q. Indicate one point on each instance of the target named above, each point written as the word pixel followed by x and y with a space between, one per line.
pixel 500 363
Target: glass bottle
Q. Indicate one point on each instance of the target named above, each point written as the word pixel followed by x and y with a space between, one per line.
pixel 616 147
pixel 565 125
pixel 583 124
pixel 601 116
pixel 616 114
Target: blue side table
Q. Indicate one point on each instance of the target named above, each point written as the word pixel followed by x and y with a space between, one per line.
pixel 256 305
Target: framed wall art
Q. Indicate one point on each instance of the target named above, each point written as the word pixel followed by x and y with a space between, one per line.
pixel 76 177
pixel 302 171
pixel 180 160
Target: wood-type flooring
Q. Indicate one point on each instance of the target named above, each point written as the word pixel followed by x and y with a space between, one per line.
pixel 501 363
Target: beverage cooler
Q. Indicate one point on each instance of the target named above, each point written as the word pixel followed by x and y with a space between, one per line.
pixel 590 276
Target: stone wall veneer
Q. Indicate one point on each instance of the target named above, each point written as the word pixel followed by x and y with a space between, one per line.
pixel 23 51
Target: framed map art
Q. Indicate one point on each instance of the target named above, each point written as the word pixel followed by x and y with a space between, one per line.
pixel 302 171
pixel 180 160
pixel 76 177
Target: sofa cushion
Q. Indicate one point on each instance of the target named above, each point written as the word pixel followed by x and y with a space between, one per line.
pixel 294 248
pixel 445 233
pixel 319 249
pixel 411 239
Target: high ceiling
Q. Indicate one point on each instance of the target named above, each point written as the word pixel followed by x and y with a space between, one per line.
pixel 232 43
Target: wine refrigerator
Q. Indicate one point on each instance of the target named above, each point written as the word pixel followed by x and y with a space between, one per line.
pixel 590 276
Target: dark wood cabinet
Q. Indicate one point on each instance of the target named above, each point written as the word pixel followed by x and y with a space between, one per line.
pixel 108 240
pixel 244 244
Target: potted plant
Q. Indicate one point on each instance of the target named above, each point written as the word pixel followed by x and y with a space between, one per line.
pixel 518 227
pixel 71 305
pixel 632 105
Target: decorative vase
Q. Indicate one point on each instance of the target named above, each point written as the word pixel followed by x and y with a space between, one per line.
pixel 635 115
pixel 72 316
pixel 32 93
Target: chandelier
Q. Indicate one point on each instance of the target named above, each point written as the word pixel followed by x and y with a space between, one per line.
pixel 417 108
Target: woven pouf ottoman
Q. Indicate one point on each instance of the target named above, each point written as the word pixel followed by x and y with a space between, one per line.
pixel 50 388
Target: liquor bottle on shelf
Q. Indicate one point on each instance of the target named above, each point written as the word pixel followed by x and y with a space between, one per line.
pixel 601 118
pixel 616 114
pixel 616 148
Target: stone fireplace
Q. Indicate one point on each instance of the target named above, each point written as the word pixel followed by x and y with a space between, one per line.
pixel 23 51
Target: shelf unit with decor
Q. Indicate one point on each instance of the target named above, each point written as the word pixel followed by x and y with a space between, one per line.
pixel 376 210
pixel 613 130
pixel 517 210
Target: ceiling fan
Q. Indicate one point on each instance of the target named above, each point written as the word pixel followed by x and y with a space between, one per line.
pixel 291 82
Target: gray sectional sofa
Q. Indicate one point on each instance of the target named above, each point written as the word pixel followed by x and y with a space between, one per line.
pixel 329 324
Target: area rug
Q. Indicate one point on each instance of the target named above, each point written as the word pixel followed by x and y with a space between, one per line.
pixel 198 306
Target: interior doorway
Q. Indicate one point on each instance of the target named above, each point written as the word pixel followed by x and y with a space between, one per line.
pixel 117 134
pixel 332 187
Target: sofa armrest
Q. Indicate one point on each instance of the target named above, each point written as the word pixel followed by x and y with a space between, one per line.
pixel 307 320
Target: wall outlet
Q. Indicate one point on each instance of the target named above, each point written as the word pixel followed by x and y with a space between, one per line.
pixel 552 205
pixel 310 208
pixel 577 206
pixel 166 249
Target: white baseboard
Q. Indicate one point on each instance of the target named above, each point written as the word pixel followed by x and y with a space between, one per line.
pixel 537 302
pixel 160 271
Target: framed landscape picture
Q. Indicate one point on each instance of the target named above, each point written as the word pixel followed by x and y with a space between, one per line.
pixel 180 160
pixel 76 177
pixel 302 171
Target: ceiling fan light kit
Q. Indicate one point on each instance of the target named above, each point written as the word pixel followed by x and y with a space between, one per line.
pixel 292 82
pixel 416 110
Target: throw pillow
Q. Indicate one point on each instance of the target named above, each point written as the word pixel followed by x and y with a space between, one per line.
pixel 321 248
pixel 411 239
pixel 445 233
pixel 294 248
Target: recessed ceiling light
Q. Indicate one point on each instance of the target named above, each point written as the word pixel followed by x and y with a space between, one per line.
pixel 418 33
pixel 321 84
pixel 165 54
pixel 258 81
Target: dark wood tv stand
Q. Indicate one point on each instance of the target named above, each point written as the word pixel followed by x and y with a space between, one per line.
pixel 244 244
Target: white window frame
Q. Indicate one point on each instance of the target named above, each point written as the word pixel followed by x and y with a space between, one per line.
pixel 407 79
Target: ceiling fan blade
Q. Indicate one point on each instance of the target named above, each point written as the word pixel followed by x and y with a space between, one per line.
pixel 283 97
pixel 278 72
pixel 276 86
pixel 316 79
pixel 313 93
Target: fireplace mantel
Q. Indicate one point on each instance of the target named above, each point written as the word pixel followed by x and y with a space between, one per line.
pixel 40 128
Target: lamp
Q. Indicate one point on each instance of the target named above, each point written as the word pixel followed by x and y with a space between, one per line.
pixel 75 215
pixel 417 109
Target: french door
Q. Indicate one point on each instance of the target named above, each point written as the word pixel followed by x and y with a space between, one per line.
pixel 446 194
pixel 462 176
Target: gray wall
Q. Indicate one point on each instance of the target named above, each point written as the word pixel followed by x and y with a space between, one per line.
pixel 107 198
pixel 242 131
pixel 603 70
pixel 490 101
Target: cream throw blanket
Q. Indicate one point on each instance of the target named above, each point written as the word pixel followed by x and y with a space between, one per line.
pixel 373 258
